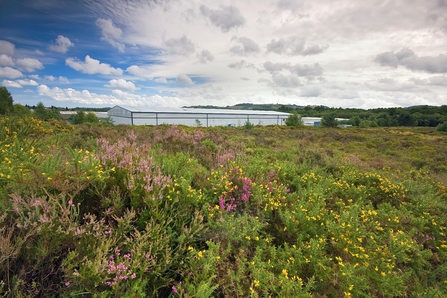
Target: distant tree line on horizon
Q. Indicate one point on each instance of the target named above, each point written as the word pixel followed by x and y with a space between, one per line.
pixel 424 115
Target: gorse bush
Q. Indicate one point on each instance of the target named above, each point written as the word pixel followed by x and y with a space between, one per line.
pixel 171 211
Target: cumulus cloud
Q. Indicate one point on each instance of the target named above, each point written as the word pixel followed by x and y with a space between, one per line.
pixel 92 66
pixel 29 64
pixel 305 70
pixel 140 72
pixel 290 81
pixel 10 73
pixel 118 97
pixel 241 64
pixel 408 59
pixel 293 46
pixel 12 84
pixel 161 80
pixel 180 46
pixel 245 46
pixel 62 44
pixel 84 96
pixel 301 70
pixel 435 80
pixel 27 82
pixel 182 78
pixel 6 60
pixel 50 78
pixel 121 84
pixel 275 67
pixel 205 56
pixel 63 80
pixel 6 48
pixel 110 33
pixel 226 17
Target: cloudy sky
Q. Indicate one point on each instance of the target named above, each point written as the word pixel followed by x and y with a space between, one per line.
pixel 338 53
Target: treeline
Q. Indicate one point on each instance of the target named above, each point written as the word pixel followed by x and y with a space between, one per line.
pixel 39 111
pixel 429 116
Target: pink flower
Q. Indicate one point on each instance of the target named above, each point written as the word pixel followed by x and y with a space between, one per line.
pixel 67 283
pixel 133 276
pixel 174 289
pixel 70 202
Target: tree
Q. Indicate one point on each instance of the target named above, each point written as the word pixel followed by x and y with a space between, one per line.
pixel 6 101
pixel 294 120
pixel 442 127
pixel 82 117
pixel 91 117
pixel 43 113
pixel 329 120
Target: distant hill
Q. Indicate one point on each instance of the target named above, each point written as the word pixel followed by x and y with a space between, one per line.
pixel 251 106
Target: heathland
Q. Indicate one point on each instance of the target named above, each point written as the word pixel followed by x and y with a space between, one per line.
pixel 172 211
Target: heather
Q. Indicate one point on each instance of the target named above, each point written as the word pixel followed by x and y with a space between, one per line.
pixel 173 211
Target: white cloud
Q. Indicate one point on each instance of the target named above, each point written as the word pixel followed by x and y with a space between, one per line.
pixel 27 82
pixel 29 64
pixel 92 66
pixel 140 72
pixel 289 81
pixel 226 17
pixel 161 80
pixel 50 78
pixel 19 83
pixel 180 46
pixel 182 78
pixel 407 58
pixel 118 97
pixel 205 56
pixel 121 84
pixel 63 80
pixel 110 33
pixel 10 73
pixel 6 48
pixel 6 60
pixel 62 44
pixel 13 84
pixel 34 76
pixel 241 64
pixel 293 46
pixel 245 47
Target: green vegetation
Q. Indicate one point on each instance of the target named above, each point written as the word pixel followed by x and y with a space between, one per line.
pixel 6 101
pixel 294 120
pixel 170 211
pixel 82 117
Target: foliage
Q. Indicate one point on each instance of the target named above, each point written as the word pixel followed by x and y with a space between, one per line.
pixel 82 117
pixel 170 211
pixel 42 113
pixel 329 120
pixel 21 111
pixel 6 101
pixel 294 120
pixel 442 127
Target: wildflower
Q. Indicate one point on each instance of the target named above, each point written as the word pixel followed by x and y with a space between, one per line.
pixel 133 276
pixel 67 283
pixel 174 289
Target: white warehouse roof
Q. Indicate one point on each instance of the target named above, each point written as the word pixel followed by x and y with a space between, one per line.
pixel 191 116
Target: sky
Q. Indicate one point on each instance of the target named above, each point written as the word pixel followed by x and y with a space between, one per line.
pixel 174 53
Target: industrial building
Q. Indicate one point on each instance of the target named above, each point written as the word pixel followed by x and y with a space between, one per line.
pixel 193 117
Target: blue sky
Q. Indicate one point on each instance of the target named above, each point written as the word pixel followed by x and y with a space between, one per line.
pixel 339 53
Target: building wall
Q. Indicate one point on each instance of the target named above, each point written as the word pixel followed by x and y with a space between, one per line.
pixel 122 116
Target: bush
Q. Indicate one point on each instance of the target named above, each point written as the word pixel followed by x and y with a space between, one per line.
pixel 294 120
pixel 442 127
